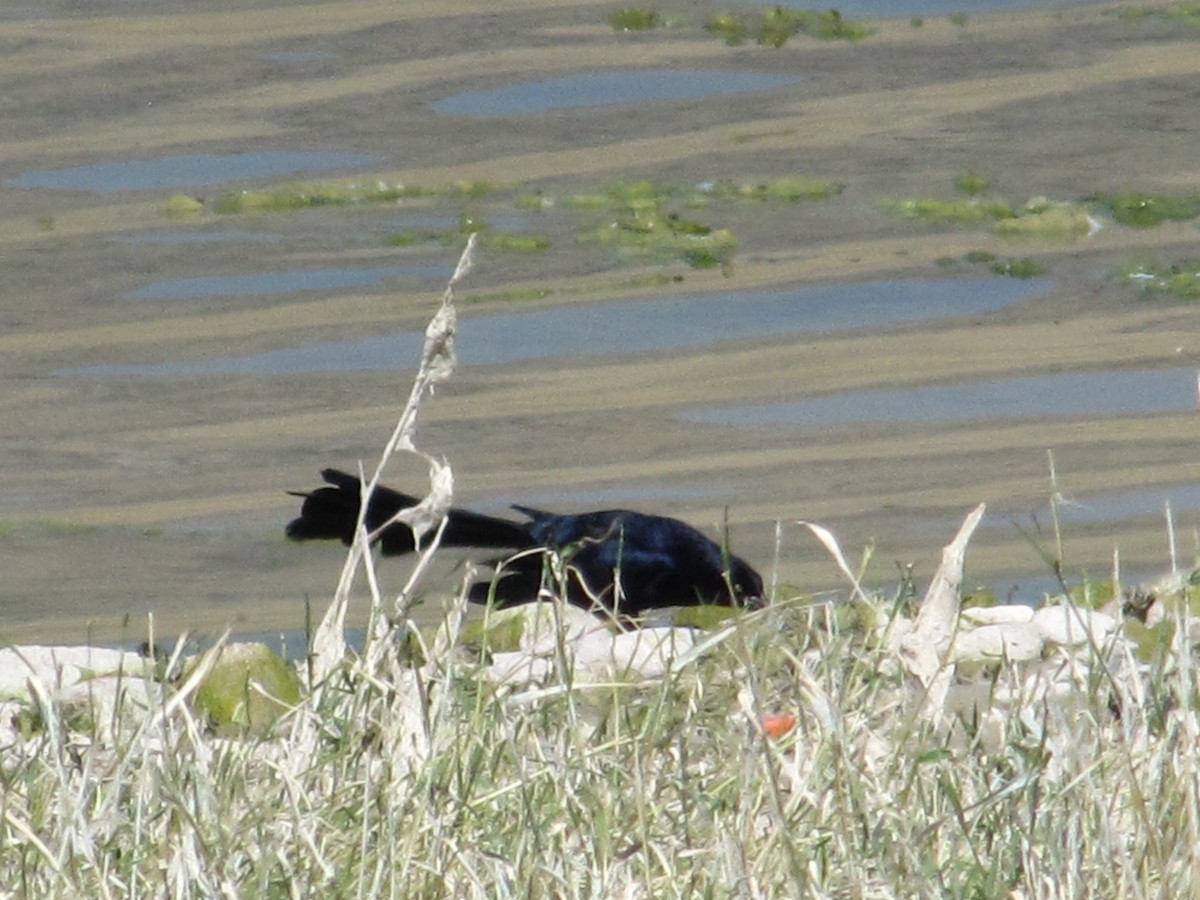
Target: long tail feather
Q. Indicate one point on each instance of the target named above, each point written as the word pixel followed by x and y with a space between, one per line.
pixel 330 513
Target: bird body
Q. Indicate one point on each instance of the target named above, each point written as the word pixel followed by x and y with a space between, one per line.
pixel 615 559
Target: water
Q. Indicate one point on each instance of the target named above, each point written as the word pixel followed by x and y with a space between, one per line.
pixel 188 171
pixel 289 643
pixel 660 325
pixel 1131 504
pixel 886 9
pixel 263 283
pixel 1065 394
pixel 196 237
pixel 606 89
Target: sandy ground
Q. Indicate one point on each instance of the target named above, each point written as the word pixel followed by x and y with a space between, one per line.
pixel 126 496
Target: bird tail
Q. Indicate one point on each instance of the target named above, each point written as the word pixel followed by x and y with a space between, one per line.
pixel 331 513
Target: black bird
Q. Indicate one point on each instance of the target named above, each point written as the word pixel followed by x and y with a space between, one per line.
pixel 615 559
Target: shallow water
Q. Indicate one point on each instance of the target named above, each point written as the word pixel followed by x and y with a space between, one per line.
pixel 1066 394
pixel 1034 589
pixel 1126 505
pixel 188 171
pixel 262 283
pixel 196 237
pixel 886 9
pixel 629 326
pixel 606 89
pixel 289 643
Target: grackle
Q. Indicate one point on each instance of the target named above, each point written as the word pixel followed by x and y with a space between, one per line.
pixel 615 559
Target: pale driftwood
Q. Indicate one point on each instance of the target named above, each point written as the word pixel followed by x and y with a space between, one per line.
pixel 925 650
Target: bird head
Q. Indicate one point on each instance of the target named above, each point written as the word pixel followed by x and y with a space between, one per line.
pixel 745 584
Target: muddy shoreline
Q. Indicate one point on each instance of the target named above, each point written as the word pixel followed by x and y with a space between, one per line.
pixel 129 496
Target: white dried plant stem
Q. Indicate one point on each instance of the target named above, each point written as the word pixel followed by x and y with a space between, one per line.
pixel 437 364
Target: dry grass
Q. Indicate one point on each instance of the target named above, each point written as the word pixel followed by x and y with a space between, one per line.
pixel 401 781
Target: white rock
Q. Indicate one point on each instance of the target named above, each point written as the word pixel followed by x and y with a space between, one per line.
pixel 10 732
pixel 87 686
pixel 997 615
pixel 643 653
pixel 1070 625
pixel 519 668
pixel 1014 642
pixel 60 668
pixel 993 731
pixel 539 634
pixel 968 700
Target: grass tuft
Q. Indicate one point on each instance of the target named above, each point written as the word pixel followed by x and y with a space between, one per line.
pixel 1039 219
pixel 1147 210
pixel 1018 268
pixel 1179 279
pixel 304 196
pixel 775 26
pixel 634 19
pixel 958 210
pixel 181 206
pixel 1187 13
